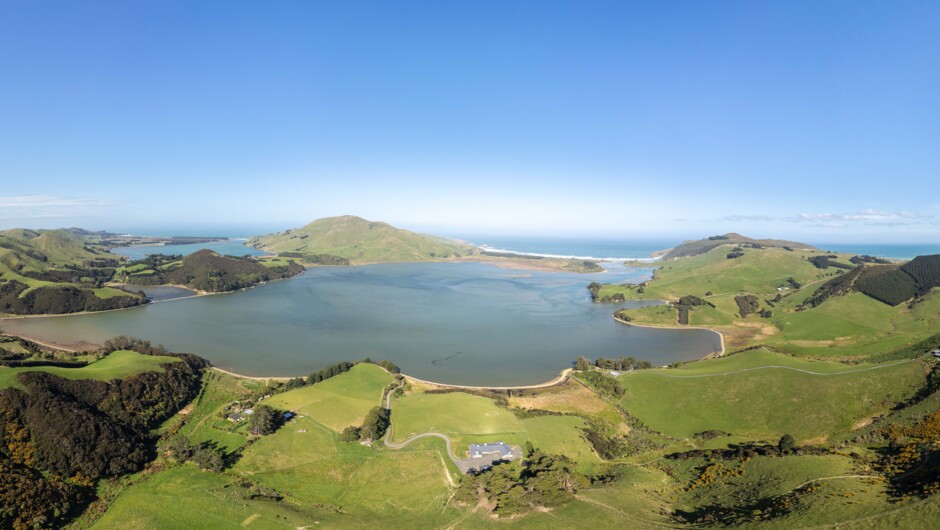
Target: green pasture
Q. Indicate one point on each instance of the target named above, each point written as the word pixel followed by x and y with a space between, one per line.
pixel 855 324
pixel 115 365
pixel 736 396
pixel 464 418
pixel 340 401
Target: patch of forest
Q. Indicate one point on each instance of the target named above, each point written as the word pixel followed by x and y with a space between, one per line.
pixel 208 271
pixel 62 436
pixel 888 283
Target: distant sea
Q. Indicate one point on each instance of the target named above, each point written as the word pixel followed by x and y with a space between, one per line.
pixel 608 249
pixel 883 250
pixel 636 249
pixel 613 249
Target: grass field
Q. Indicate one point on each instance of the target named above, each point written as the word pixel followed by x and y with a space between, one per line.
pixel 340 401
pixel 116 365
pixel 856 324
pixel 464 418
pixel 325 482
pixel 332 484
pixel 734 395
pixel 560 435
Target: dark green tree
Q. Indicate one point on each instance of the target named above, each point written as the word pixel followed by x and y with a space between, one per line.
pixel 265 420
pixel 375 424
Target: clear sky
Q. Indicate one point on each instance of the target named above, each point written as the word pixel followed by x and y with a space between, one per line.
pixel 812 120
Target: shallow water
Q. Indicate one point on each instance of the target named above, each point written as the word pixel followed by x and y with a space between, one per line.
pixel 460 323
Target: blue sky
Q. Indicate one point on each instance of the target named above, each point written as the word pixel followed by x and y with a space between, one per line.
pixel 812 120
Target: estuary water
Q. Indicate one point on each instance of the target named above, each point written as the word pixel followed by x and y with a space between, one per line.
pixel 459 323
pixel 230 247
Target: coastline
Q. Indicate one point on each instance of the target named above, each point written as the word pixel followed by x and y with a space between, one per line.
pixel 251 377
pixel 197 294
pixel 557 380
pixel 713 355
pixel 561 378
pixel 71 348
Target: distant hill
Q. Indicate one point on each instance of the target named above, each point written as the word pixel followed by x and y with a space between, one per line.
pixel 55 247
pixel 56 271
pixel 359 241
pixel 701 246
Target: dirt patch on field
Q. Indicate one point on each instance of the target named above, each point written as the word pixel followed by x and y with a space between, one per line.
pixel 573 398
pixel 811 343
pixel 819 440
pixel 744 334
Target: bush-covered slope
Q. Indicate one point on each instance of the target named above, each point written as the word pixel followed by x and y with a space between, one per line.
pixel 890 284
pixel 925 270
pixel 207 271
pixel 887 284
pixel 359 240
pixel 61 436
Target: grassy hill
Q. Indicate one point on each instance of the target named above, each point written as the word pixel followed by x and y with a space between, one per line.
pixel 701 246
pixel 55 271
pixel 359 241
pixel 764 296
pixel 740 394
pixel 116 365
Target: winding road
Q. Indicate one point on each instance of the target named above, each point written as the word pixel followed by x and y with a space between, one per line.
pixel 400 445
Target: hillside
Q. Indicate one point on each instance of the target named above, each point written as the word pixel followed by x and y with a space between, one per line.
pixel 206 271
pixel 359 241
pixel 66 429
pixel 790 300
pixel 701 246
pixel 699 446
pixel 55 271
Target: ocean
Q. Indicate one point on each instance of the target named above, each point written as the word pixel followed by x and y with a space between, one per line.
pixel 610 249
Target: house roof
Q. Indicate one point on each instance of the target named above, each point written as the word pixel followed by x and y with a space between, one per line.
pixel 499 448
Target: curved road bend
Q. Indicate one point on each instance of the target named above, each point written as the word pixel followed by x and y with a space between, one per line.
pixel 460 463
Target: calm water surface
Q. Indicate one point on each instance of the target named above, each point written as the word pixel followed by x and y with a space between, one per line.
pixel 461 323
pixel 231 247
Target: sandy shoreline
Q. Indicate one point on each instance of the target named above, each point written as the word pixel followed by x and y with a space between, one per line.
pixel 557 380
pixel 253 378
pixel 75 347
pixel 721 336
